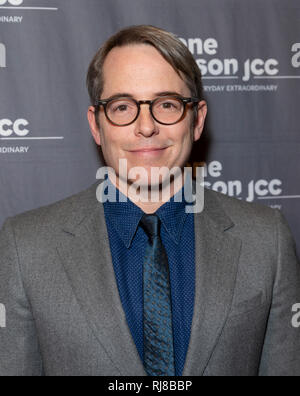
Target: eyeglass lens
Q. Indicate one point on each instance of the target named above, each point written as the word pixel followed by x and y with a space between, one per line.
pixel 167 110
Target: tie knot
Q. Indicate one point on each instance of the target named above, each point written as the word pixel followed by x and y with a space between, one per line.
pixel 151 225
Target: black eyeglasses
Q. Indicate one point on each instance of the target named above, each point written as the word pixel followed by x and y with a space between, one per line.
pixel 166 110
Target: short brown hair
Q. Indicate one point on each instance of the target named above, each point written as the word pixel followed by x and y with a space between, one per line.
pixel 167 44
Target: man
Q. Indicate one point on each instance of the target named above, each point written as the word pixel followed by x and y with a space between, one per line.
pixel 137 287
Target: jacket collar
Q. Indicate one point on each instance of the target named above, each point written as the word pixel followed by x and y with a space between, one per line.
pixel 125 216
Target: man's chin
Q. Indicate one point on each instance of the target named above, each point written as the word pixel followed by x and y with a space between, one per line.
pixel 154 179
pixel 145 184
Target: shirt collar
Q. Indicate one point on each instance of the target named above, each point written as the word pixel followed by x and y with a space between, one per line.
pixel 125 216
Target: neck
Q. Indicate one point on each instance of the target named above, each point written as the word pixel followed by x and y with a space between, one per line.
pixel 143 200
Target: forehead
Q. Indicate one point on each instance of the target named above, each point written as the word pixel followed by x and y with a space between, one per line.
pixel 139 70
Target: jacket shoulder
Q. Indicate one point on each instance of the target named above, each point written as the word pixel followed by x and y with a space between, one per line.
pixel 243 213
pixel 56 214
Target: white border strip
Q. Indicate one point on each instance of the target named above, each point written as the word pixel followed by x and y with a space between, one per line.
pixel 29 8
pixel 282 197
pixel 276 77
pixel 34 138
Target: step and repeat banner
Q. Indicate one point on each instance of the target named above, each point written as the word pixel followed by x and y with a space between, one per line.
pixel 249 55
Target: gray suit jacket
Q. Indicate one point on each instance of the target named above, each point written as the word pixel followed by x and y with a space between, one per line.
pixel 65 317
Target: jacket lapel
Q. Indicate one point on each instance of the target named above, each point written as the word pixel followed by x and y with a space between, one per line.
pixel 85 253
pixel 217 257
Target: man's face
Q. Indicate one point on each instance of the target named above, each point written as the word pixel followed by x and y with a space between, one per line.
pixel 140 71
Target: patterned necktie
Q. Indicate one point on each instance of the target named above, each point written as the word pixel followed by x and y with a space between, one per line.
pixel 158 331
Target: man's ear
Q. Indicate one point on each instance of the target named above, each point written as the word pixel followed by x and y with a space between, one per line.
pixel 201 116
pixel 91 116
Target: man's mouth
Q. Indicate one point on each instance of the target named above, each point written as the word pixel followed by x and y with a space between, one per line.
pixel 149 151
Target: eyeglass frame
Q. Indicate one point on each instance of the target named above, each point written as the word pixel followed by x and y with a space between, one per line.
pixel 185 102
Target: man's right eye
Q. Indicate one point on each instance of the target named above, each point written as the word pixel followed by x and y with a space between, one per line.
pixel 121 108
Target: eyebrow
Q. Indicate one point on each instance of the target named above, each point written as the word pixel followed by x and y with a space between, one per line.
pixel 127 95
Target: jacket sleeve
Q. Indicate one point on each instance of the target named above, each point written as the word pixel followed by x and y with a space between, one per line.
pixel 19 350
pixel 281 352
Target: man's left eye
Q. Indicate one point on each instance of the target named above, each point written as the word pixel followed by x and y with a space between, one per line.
pixel 168 105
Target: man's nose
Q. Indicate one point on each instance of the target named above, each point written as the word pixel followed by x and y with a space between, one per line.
pixel 145 123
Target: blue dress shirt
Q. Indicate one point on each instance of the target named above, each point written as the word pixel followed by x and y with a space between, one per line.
pixel 128 244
